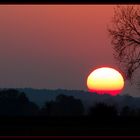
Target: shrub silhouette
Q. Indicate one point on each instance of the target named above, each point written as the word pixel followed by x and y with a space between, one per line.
pixel 101 110
pixel 126 111
pixel 63 106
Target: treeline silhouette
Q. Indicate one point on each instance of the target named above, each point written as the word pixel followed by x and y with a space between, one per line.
pixel 65 115
pixel 16 103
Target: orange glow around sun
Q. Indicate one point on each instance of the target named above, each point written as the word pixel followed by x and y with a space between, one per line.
pixel 105 80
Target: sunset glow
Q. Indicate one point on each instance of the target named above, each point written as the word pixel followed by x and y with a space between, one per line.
pixel 105 80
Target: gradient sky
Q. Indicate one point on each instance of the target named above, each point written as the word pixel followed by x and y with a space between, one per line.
pixel 54 46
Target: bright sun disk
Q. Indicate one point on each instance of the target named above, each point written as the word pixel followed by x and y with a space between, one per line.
pixel 105 80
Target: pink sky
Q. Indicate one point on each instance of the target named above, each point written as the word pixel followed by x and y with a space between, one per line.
pixel 53 46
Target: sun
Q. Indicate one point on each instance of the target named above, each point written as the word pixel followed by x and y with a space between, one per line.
pixel 105 80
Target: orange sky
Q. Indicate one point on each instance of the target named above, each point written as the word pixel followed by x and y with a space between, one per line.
pixel 53 46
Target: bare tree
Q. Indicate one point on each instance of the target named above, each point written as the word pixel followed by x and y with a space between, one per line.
pixel 125 38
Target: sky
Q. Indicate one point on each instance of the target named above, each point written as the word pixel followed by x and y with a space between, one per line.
pixel 54 46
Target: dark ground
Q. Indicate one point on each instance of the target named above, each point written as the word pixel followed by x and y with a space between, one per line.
pixel 69 126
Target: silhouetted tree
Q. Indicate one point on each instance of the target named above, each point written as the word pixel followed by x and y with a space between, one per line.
pixel 14 103
pixel 63 106
pixel 101 110
pixel 125 34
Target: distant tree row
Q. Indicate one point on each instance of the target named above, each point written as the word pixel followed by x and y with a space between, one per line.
pixel 15 103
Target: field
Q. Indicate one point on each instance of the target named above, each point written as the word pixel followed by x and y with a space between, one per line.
pixel 76 126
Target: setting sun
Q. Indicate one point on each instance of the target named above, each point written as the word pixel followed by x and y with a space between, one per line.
pixel 105 80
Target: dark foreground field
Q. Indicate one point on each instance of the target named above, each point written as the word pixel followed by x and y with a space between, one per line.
pixel 68 126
